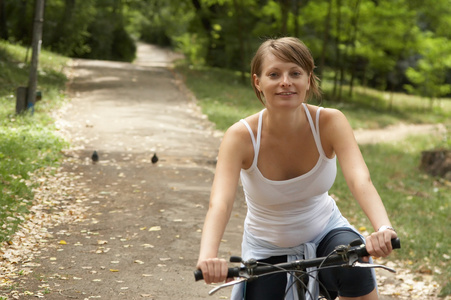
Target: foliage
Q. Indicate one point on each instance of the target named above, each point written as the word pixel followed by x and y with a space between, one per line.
pixel 384 44
pixel 428 76
pixel 89 28
pixel 27 143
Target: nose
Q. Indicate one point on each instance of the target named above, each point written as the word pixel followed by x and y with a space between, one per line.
pixel 285 81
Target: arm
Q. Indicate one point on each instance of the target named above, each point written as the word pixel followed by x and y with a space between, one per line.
pixel 340 139
pixel 230 160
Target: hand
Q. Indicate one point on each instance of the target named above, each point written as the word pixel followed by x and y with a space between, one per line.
pixel 213 269
pixel 378 244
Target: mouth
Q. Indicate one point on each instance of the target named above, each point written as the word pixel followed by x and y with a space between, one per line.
pixel 286 93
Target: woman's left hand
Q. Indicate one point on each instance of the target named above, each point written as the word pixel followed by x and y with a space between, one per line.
pixel 378 244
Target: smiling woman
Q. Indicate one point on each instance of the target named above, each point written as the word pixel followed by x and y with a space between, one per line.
pixel 285 156
pixel 299 58
pixel 282 81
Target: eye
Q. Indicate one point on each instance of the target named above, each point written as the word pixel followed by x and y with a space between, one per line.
pixel 273 75
pixel 296 74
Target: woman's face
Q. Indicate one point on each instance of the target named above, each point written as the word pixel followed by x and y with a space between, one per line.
pixel 284 84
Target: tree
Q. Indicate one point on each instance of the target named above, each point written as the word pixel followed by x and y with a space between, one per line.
pixel 66 28
pixel 3 28
pixel 428 76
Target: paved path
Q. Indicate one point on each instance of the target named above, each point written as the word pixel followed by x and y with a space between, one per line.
pixel 139 235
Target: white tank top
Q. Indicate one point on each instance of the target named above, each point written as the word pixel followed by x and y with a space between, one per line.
pixel 290 212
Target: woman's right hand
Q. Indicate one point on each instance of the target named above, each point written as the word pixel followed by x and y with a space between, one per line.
pixel 213 269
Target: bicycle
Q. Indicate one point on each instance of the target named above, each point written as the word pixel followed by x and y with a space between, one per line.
pixel 348 255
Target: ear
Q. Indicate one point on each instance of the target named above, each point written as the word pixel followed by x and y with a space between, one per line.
pixel 256 82
pixel 308 82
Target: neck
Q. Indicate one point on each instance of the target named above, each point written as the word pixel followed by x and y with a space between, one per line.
pixel 285 123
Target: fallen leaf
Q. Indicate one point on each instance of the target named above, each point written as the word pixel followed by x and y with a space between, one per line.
pixel 155 228
pixel 139 262
pixel 114 270
pixel 63 242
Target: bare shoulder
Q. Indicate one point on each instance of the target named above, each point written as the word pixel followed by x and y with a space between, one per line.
pixel 335 130
pixel 237 140
pixel 240 131
pixel 328 116
pixel 332 115
pixel 333 121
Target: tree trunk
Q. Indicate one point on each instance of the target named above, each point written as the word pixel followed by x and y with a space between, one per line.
pixel 326 33
pixel 296 5
pixel 64 23
pixel 36 45
pixel 3 24
pixel 355 30
pixel 206 24
pixel 240 40
pixel 338 62
pixel 23 29
pixel 284 10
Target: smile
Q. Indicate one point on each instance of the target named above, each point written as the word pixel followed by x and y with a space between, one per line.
pixel 286 93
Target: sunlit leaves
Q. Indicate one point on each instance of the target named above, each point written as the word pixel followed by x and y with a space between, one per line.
pixel 429 75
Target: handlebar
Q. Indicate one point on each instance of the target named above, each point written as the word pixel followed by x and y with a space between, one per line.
pixel 343 255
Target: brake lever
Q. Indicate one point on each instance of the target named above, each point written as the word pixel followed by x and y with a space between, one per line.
pixel 354 262
pixel 368 265
pixel 227 284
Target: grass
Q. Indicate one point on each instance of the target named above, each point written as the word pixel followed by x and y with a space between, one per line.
pixel 27 142
pixel 419 205
pixel 225 99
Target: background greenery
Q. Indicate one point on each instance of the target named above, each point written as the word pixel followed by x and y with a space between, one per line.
pixel 393 45
pixel 27 143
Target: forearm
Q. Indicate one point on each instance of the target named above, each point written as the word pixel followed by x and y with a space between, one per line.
pixel 371 203
pixel 213 230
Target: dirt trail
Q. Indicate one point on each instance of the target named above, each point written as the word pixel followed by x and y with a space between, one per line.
pixel 135 228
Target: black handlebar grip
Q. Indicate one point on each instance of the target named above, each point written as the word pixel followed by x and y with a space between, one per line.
pixel 395 243
pixel 198 275
pixel 232 272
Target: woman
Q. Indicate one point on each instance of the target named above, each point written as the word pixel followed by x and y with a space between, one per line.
pixel 286 157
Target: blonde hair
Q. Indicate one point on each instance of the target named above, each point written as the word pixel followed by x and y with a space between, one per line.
pixel 288 49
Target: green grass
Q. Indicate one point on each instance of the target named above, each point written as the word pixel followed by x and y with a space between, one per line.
pixel 222 95
pixel 27 142
pixel 225 99
pixel 419 205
